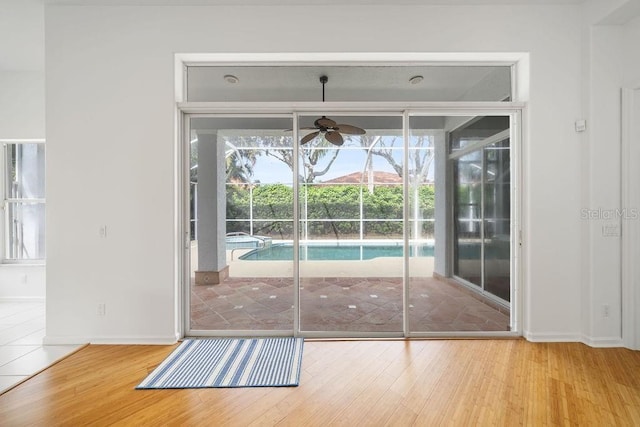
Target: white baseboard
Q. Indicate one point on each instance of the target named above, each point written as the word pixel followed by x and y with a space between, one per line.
pixel 553 337
pixel 22 299
pixel 603 341
pixel 565 337
pixel 75 340
pixel 158 340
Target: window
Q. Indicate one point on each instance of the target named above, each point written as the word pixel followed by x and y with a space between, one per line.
pixel 24 201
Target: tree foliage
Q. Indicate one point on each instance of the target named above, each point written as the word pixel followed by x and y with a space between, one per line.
pixel 330 210
pixel 421 154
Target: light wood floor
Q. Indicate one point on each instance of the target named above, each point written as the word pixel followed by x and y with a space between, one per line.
pixel 353 383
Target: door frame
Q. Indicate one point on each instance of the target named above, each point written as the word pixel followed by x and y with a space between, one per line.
pixel 189 110
pixel 630 204
pixel 518 61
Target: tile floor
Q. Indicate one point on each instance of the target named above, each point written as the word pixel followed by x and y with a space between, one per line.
pixel 22 328
pixel 343 304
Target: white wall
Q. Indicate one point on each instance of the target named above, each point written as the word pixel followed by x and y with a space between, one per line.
pixel 21 117
pixel 21 104
pixel 631 80
pixel 110 132
pixel 22 283
pixel 631 39
pixel 610 61
pixel 603 140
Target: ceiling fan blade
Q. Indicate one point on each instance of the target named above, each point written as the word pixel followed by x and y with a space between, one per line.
pixel 334 137
pixel 350 130
pixel 324 122
pixel 309 137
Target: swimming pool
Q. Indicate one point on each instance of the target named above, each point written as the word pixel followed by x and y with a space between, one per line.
pixel 335 252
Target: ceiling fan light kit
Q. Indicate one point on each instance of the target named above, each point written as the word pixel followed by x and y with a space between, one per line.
pixel 331 130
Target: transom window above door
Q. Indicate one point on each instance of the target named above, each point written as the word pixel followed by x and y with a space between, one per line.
pixel 425 83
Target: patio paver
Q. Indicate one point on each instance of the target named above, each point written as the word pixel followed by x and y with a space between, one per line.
pixel 342 304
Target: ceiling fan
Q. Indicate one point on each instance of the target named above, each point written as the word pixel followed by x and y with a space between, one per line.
pixel 331 130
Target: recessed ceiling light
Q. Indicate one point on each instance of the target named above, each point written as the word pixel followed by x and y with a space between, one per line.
pixel 229 78
pixel 415 80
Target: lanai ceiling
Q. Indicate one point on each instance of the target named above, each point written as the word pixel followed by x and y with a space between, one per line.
pixel 354 83
pixel 346 84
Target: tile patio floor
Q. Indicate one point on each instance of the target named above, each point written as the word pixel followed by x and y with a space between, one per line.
pixel 342 304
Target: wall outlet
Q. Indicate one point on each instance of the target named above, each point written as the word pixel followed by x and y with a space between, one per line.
pixel 103 231
pixel 102 309
pixel 605 311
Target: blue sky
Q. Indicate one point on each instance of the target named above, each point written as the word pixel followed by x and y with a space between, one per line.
pixel 271 170
pixel 351 158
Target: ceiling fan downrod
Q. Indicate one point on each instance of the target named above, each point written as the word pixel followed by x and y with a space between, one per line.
pixel 329 129
pixel 323 80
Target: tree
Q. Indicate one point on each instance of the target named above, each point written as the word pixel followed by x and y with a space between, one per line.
pixel 240 162
pixel 420 158
pixel 239 167
pixel 314 155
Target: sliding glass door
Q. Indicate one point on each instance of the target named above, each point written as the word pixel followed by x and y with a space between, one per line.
pixel 481 164
pixel 241 216
pixel 497 218
pixel 350 225
pixel 428 302
pixel 459 232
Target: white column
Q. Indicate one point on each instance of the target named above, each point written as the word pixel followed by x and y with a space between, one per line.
pixel 211 215
pixel 441 206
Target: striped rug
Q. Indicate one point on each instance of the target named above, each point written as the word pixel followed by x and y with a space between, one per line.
pixel 229 362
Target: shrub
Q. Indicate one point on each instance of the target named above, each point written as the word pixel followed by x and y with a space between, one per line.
pixel 273 209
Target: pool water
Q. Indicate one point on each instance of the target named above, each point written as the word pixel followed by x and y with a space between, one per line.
pixel 284 252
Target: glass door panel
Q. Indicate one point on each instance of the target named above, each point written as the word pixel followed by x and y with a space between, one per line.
pixel 351 247
pixel 479 152
pixel 467 245
pixel 497 219
pixel 425 295
pixel 241 224
pixel 458 288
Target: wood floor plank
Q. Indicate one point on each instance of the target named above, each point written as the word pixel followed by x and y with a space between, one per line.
pixel 368 383
pixel 371 385
pixel 345 382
